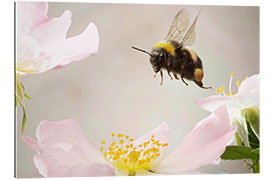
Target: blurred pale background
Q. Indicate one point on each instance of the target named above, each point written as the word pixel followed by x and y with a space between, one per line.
pixel 114 90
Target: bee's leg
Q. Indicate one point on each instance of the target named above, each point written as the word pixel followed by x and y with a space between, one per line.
pixel 169 74
pixel 161 77
pixel 155 75
pixel 200 84
pixel 182 78
pixel 175 76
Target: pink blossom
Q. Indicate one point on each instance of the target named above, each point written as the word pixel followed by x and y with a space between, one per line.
pixel 42 42
pixel 63 150
pixel 248 95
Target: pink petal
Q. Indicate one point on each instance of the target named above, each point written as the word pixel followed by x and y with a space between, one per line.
pixel 39 50
pixel 90 170
pixel 79 47
pixel 250 84
pixel 52 34
pixel 203 145
pixel 48 169
pixel 45 45
pixel 62 150
pixel 161 133
pixel 29 57
pixel 30 14
pixel 65 135
pixel 31 143
pixel 41 165
pixel 213 102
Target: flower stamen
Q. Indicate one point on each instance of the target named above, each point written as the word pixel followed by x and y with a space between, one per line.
pixel 132 157
pixel 230 93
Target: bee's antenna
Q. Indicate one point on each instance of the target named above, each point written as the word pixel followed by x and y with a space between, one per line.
pixel 141 50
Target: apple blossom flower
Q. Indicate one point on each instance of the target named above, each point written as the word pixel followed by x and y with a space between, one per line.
pixel 246 97
pixel 42 43
pixel 63 150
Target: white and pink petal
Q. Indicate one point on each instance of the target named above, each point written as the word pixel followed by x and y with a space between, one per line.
pixel 202 146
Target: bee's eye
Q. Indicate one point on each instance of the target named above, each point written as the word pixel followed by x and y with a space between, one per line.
pixel 160 56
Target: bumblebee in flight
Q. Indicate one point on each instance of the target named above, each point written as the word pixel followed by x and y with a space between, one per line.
pixel 173 54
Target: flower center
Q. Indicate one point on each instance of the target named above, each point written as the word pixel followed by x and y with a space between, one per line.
pixel 221 91
pixel 123 153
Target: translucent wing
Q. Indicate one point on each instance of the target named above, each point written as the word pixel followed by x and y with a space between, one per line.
pixel 190 36
pixel 179 26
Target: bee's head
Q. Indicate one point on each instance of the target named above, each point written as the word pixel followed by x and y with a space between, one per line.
pixel 157 59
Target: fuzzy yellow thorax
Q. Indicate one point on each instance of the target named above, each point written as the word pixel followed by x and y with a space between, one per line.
pixel 167 46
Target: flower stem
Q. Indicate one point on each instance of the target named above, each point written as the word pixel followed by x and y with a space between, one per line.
pixel 132 173
pixel 256 166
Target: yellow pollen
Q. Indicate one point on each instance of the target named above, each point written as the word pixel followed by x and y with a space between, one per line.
pixel 165 144
pixel 120 135
pixel 113 134
pixel 232 74
pixel 222 89
pixel 229 93
pixel 238 83
pixel 217 91
pixel 102 142
pixel 121 141
pixel 129 156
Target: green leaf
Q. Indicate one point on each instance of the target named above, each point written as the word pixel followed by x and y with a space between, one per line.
pixel 20 98
pixel 19 92
pixel 25 95
pixel 238 139
pixel 239 152
pixel 252 115
pixel 254 142
pixel 24 119
pixel 241 131
pixel 256 151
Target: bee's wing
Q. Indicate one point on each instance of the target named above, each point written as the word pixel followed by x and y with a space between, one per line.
pixel 179 26
pixel 190 36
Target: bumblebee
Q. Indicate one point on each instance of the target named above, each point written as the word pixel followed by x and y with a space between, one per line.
pixel 174 56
